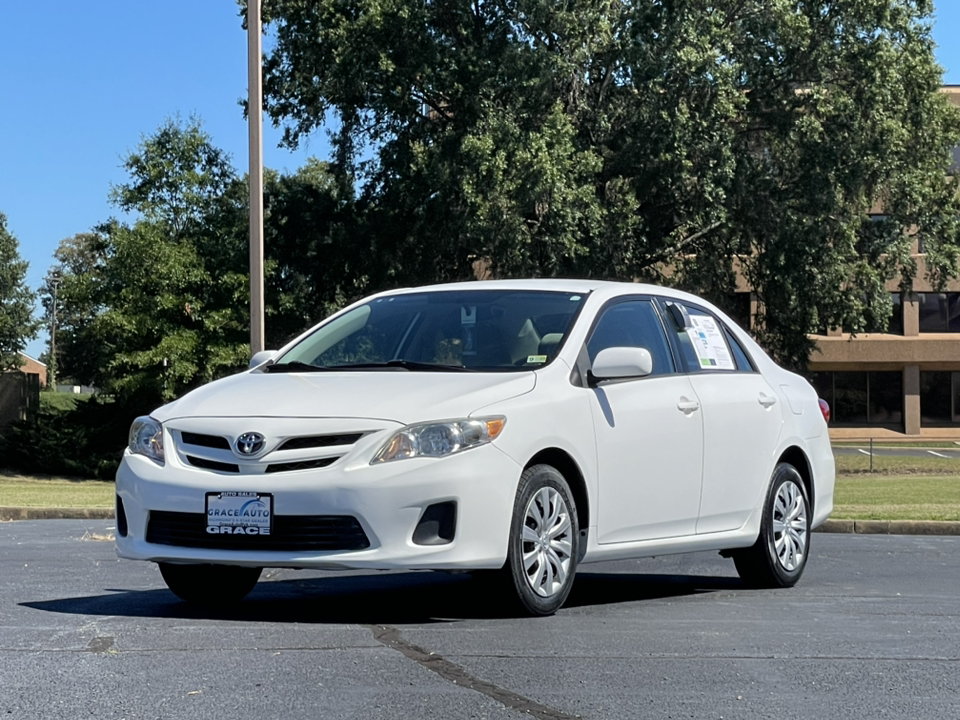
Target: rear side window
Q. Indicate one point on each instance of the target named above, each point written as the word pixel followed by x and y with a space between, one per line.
pixel 744 364
pixel 634 323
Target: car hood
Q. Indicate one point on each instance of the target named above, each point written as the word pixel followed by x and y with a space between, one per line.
pixel 400 396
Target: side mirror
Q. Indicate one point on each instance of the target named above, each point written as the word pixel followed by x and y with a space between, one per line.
pixel 261 357
pixel 617 363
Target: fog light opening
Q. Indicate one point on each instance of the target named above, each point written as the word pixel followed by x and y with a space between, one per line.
pixel 121 518
pixel 437 524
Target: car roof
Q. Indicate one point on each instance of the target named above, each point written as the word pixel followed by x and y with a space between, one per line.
pixel 608 287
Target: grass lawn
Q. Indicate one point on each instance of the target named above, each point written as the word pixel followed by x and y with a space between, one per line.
pixel 885 465
pixel 22 491
pixel 897 497
pixel 61 401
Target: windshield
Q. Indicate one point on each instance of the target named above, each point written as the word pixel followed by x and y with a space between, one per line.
pixel 481 330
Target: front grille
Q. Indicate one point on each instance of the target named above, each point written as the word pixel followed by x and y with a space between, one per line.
pixel 315 441
pixel 213 464
pixel 210 441
pixel 290 533
pixel 300 465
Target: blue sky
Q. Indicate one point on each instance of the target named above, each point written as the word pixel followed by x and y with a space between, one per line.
pixel 81 82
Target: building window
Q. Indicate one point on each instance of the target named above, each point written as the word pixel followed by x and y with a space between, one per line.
pixel 939 398
pixel 896 319
pixel 862 398
pixel 894 324
pixel 939 312
pixel 850 397
pixel 885 398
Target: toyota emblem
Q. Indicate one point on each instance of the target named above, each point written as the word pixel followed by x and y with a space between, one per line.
pixel 250 443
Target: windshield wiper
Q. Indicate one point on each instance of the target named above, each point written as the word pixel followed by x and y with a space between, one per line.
pixel 404 364
pixel 295 366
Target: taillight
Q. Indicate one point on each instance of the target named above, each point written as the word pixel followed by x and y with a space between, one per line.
pixel 825 409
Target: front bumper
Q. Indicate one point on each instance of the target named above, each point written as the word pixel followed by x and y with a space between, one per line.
pixel 386 499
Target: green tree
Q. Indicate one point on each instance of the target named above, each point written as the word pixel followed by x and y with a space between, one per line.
pixel 149 309
pixel 17 324
pixel 75 281
pixel 318 255
pixel 167 325
pixel 176 174
pixel 674 141
pixel 152 308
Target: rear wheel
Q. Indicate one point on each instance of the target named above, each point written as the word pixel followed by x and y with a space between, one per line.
pixel 544 541
pixel 779 556
pixel 210 584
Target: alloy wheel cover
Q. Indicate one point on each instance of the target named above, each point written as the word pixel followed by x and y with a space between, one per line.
pixel 546 542
pixel 790 533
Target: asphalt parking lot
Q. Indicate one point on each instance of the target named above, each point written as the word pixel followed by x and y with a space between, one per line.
pixel 871 631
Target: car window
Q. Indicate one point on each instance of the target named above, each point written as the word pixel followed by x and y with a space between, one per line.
pixel 634 323
pixel 701 338
pixel 488 330
pixel 744 363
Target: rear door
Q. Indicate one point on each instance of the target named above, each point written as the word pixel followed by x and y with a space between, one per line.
pixel 742 418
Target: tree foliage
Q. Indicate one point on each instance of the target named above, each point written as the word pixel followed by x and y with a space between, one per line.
pixel 318 256
pixel 17 324
pixel 74 284
pixel 151 308
pixel 680 141
pixel 176 174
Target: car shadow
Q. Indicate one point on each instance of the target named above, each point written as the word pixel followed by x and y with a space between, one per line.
pixel 381 599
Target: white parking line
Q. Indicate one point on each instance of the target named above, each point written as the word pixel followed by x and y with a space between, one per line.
pixel 863 451
pixel 937 454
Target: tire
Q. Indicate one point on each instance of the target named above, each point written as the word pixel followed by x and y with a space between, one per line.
pixel 210 584
pixel 780 554
pixel 544 541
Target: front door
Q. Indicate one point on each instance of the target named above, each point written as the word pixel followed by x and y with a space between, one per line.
pixel 649 434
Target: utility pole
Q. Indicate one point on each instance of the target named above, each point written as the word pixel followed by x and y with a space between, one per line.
pixel 255 120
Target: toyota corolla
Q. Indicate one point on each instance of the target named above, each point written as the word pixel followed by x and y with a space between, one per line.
pixel 520 427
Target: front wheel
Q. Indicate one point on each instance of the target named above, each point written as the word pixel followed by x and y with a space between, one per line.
pixel 210 584
pixel 544 541
pixel 780 554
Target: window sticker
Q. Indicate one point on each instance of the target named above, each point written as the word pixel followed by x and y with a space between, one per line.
pixel 534 359
pixel 709 344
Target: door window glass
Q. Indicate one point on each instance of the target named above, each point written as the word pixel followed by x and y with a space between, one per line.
pixel 634 323
pixel 703 343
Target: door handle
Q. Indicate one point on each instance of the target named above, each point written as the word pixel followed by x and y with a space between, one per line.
pixel 767 400
pixel 687 406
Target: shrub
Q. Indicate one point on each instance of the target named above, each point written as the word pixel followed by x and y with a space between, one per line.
pixel 84 441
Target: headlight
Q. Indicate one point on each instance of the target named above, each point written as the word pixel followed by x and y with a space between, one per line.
pixel 146 438
pixel 439 439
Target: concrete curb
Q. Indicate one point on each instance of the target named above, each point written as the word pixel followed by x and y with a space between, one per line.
pixel 891 527
pixel 46 513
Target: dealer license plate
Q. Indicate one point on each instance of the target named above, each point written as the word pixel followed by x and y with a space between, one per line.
pixel 239 513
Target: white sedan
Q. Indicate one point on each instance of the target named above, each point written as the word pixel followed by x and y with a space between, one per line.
pixel 518 426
